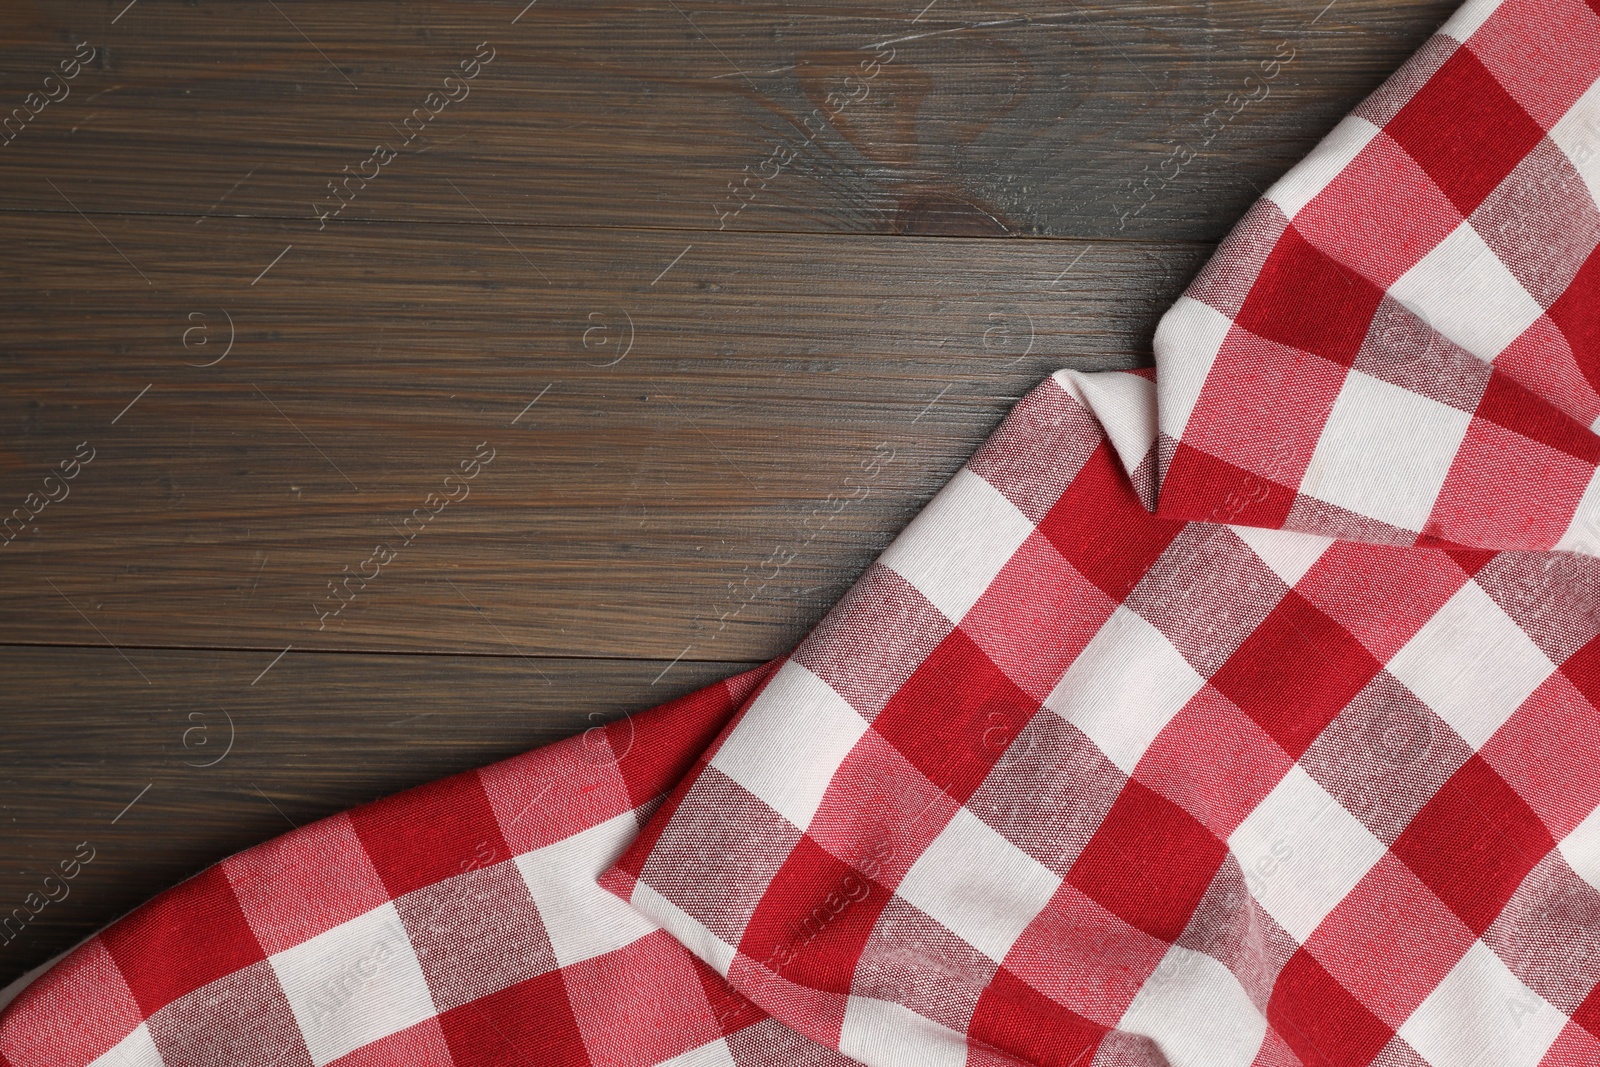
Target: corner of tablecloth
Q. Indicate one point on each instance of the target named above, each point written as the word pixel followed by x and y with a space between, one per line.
pixel 1400 341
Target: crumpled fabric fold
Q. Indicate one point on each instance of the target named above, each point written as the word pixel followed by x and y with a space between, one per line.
pixel 1238 712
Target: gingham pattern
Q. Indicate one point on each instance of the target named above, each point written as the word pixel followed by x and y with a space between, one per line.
pixel 1298 769
pixel 1062 781
pixel 1295 768
pixel 455 924
pixel 1400 342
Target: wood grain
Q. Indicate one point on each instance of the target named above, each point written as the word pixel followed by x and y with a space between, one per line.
pixel 233 753
pixel 1026 119
pixel 726 289
pixel 687 426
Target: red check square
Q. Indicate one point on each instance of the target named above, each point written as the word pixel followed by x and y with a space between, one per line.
pixel 1473 843
pixel 431 833
pixel 1577 315
pixel 1320 1020
pixel 812 924
pixel 531 1022
pixel 956 716
pixel 1013 1015
pixel 1308 300
pixel 1507 404
pixel 1203 487
pixel 158 952
pixel 1295 673
pixel 1465 130
pixel 1080 521
pixel 1149 864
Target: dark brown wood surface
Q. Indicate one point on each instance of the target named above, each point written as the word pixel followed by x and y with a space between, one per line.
pixel 665 277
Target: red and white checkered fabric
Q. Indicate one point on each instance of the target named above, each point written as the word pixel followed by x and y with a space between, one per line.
pixel 458 923
pixel 1242 713
pixel 1065 782
pixel 1299 769
pixel 1401 341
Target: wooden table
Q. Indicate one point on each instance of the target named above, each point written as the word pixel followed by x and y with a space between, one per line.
pixel 387 388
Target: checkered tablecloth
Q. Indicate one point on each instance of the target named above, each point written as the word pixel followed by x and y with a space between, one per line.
pixel 1242 712
pixel 458 923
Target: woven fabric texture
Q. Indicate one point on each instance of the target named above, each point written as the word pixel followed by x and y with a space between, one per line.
pixel 1238 712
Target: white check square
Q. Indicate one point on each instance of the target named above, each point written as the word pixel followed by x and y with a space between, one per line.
pixel 1384 452
pixel 881 1032
pixel 1578 135
pixel 1481 1014
pixel 1196 1012
pixel 354 984
pixel 978 885
pixel 955 547
pixel 790 742
pixel 1581 849
pixel 1125 404
pixel 1124 687
pixel 1463 291
pixel 138 1049
pixel 1583 531
pixel 1327 161
pixel 715 1054
pixel 696 937
pixel 1193 332
pixel 1302 852
pixel 1287 553
pixel 1472 664
pixel 581 919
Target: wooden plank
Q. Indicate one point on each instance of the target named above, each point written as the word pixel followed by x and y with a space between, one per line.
pixel 697 445
pixel 706 415
pixel 220 755
pixel 1159 119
